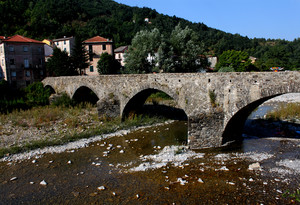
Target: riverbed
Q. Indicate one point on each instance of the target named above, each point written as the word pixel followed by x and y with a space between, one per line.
pixel 153 165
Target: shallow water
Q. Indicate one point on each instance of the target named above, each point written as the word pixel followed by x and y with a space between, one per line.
pixel 170 174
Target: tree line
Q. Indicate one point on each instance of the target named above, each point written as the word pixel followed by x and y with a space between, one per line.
pixel 84 19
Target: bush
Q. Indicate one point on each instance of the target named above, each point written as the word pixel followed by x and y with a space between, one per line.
pixel 63 100
pixel 37 95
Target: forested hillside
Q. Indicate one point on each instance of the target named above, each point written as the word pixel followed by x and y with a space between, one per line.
pixel 41 19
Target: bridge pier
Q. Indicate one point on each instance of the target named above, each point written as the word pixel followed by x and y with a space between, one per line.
pixel 108 107
pixel 205 130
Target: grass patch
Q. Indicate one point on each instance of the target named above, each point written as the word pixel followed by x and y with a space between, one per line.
pixel 286 111
pixel 68 118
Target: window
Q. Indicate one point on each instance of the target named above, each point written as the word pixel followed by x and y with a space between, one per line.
pixel 104 47
pixel 65 49
pixel 26 63
pixel 27 73
pixel 25 48
pixel 90 49
pixel 91 57
pixel 64 42
pixel 57 43
pixel 0 49
pixel 11 48
pixel 12 61
pixel 91 68
pixel 13 74
pixel 2 62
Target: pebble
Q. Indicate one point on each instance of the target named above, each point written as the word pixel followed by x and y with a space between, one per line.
pixel 31 182
pixel 14 178
pixel 254 166
pixel 200 180
pixel 101 188
pixel 114 193
pixel 122 151
pixel 69 162
pixel 251 180
pixel 44 183
pixel 33 161
pixel 137 196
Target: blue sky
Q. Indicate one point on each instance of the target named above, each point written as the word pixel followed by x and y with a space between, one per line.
pixel 275 19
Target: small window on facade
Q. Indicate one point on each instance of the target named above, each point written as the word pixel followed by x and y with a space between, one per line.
pixel 13 74
pixel 91 57
pixel 25 48
pixel 12 61
pixel 65 49
pixel 27 73
pixel 90 49
pixel 26 63
pixel 0 49
pixel 104 47
pixel 64 42
pixel 2 62
pixel 11 49
pixel 91 68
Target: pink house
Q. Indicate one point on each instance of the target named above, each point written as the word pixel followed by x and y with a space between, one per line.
pixel 95 47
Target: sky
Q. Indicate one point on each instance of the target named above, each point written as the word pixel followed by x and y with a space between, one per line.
pixel 274 19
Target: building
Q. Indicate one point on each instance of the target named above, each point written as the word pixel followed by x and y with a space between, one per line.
pixel 95 47
pixel 22 60
pixel 119 54
pixel 65 44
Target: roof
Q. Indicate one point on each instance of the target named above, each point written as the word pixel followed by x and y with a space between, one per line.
pixel 97 39
pixel 2 37
pixel 121 49
pixel 63 39
pixel 21 39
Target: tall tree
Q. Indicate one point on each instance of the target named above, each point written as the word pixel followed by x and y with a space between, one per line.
pixel 60 64
pixel 79 57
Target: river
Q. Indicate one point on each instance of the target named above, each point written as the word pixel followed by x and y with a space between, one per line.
pixel 153 166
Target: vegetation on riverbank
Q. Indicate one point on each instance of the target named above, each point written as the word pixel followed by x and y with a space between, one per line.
pixel 39 127
pixel 286 111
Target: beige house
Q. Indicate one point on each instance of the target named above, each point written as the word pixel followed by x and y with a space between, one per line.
pixel 120 54
pixel 95 47
pixel 65 44
pixel 22 60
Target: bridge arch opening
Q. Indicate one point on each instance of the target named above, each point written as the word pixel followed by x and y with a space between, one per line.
pixel 153 103
pixel 237 125
pixel 50 88
pixel 158 104
pixel 85 95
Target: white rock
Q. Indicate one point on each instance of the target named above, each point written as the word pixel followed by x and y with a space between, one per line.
pixel 230 183
pixel 122 151
pixel 137 196
pixel 114 193
pixel 33 161
pixel 254 166
pixel 44 183
pixel 200 180
pixel 31 182
pixel 14 178
pixel 251 180
pixel 69 162
pixel 101 188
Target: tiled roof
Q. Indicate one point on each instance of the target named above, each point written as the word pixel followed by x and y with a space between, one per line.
pixel 2 37
pixel 96 39
pixel 121 49
pixel 22 39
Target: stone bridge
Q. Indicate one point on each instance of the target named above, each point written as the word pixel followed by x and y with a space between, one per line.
pixel 211 123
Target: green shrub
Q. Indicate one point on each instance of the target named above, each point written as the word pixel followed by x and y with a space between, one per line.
pixel 37 95
pixel 64 100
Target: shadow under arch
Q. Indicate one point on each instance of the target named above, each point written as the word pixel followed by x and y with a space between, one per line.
pixel 84 94
pixel 235 126
pixel 136 106
pixel 52 91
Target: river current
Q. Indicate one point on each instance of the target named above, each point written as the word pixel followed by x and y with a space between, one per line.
pixel 153 166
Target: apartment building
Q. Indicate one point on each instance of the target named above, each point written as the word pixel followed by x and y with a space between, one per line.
pixel 95 47
pixel 22 60
pixel 65 44
pixel 120 54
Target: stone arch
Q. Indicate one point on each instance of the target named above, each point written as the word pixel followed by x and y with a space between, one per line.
pixel 85 94
pixel 136 102
pixel 51 89
pixel 234 127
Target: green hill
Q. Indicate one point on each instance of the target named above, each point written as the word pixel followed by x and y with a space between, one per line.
pixel 87 18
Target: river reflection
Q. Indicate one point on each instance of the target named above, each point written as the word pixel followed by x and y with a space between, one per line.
pixel 106 172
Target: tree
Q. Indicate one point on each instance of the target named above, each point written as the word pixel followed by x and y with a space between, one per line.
pixel 79 57
pixel 60 64
pixel 238 60
pixel 108 64
pixel 185 51
pixel 36 94
pixel 140 57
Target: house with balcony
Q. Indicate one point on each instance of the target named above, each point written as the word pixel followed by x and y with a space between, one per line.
pixel 95 47
pixel 22 60
pixel 65 44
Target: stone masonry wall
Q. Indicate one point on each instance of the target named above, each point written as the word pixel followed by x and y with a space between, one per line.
pixel 207 122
